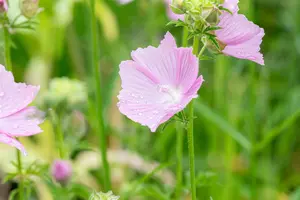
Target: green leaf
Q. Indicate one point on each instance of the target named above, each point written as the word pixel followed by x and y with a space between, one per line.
pixel 212 28
pixel 225 9
pixel 215 42
pixel 219 122
pixel 273 133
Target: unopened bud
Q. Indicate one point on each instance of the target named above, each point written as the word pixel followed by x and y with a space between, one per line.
pixel 176 6
pixel 3 6
pixel 29 8
pixel 103 196
pixel 61 171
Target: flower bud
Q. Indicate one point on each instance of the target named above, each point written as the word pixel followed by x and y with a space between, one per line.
pixel 3 6
pixel 29 8
pixel 61 171
pixel 176 6
pixel 103 196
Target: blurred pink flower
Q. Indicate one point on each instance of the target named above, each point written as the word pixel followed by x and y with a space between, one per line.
pixel 170 13
pixel 241 37
pixel 3 6
pixel 16 119
pixel 61 171
pixel 158 82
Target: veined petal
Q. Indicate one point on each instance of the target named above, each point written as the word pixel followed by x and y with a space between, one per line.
pixel 241 37
pixel 23 123
pixel 14 96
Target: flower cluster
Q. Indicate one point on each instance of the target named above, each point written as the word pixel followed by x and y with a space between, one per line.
pixel 159 82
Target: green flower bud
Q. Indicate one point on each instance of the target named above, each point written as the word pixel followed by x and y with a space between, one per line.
pixel 29 8
pixel 71 93
pixel 103 196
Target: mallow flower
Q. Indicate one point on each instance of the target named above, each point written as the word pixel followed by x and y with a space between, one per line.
pixel 239 37
pixel 3 6
pixel 158 82
pixel 16 118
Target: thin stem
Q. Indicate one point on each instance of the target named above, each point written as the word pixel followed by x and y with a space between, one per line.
pixel 21 183
pixel 202 50
pixel 60 138
pixel 190 130
pixel 179 148
pixel 7 46
pixel 99 106
pixel 179 141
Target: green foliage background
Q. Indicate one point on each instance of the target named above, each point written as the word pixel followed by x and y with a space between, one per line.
pixel 247 127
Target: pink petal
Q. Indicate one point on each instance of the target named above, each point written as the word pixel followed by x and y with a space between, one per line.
pixel 14 96
pixel 23 123
pixel 12 142
pixel 156 84
pixel 231 5
pixel 241 37
pixel 168 64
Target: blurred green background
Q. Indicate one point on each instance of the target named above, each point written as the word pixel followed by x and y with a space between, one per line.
pixel 247 127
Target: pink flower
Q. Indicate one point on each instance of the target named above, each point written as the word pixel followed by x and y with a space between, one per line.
pixel 16 119
pixel 158 82
pixel 170 13
pixel 241 37
pixel 3 6
pixel 61 171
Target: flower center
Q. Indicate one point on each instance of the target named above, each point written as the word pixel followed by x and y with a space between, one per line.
pixel 172 96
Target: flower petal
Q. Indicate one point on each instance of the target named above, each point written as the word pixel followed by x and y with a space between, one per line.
pixel 241 37
pixel 168 64
pixel 140 98
pixel 23 123
pixel 236 29
pixel 231 5
pixel 14 96
pixel 248 50
pixel 12 142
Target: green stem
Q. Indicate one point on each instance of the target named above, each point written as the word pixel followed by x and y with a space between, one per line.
pixel 179 148
pixel 179 144
pixel 7 46
pixel 21 183
pixel 60 138
pixel 190 130
pixel 99 106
